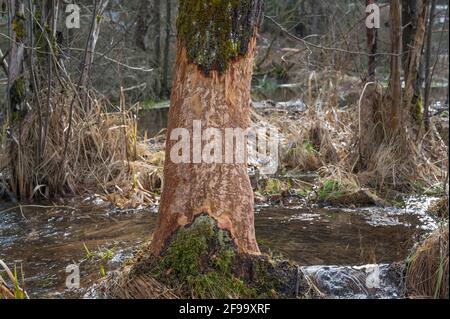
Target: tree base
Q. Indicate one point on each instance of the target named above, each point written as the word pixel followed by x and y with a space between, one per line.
pixel 201 261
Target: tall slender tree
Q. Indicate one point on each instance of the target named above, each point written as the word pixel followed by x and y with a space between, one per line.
pixel 393 115
pixel 148 38
pixel 372 47
pixel 428 80
pixel 165 70
pixel 413 17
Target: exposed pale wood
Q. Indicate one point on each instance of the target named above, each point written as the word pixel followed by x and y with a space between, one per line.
pixel 222 191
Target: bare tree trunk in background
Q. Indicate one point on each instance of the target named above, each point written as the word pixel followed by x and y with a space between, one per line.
pixel 17 81
pixel 317 11
pixel 165 72
pixel 372 45
pixel 392 115
pixel 211 85
pixel 428 79
pixel 18 87
pixel 148 36
pixel 413 38
pixel 99 9
pixel 148 29
pixel 409 21
pixel 370 130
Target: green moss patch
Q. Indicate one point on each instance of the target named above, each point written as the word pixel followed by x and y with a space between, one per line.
pixel 18 26
pixel 216 32
pixel 18 93
pixel 201 261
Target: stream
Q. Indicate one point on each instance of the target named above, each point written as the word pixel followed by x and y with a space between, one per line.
pixel 346 253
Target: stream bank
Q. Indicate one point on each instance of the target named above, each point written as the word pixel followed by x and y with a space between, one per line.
pixel 327 242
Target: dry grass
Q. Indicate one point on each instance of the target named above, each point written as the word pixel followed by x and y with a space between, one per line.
pixel 427 274
pixel 338 141
pixel 125 286
pixel 440 209
pixel 103 155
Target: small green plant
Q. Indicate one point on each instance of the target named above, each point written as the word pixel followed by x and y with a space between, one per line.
pixel 309 147
pixel 89 254
pixel 104 254
pixel 102 271
pixel 274 186
pixel 18 292
pixel 331 189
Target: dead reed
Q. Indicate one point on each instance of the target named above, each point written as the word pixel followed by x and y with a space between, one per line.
pixel 79 153
pixel 350 141
pixel 427 273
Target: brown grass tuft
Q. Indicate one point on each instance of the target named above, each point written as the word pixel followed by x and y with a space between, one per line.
pixel 125 286
pixel 103 155
pixel 427 273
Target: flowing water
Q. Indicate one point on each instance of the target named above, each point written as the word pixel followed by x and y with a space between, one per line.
pixel 331 245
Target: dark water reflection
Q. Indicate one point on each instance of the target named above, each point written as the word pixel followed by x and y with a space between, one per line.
pixel 46 240
pixel 338 237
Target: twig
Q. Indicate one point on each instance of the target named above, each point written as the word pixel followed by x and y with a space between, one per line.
pixel 33 206
pixel 320 47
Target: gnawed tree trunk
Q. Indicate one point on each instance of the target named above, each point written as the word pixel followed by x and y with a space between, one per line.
pixel 414 15
pixel 216 44
pixel 18 87
pixel 204 241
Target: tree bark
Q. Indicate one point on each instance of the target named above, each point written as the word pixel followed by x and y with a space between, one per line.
pixel 413 38
pixel 165 70
pixel 211 85
pixel 370 131
pixel 17 82
pixel 148 38
pixel 392 115
pixel 100 7
pixel 428 79
pixel 372 46
pixel 148 29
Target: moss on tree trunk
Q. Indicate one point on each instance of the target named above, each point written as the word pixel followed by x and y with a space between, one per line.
pixel 201 261
pixel 215 33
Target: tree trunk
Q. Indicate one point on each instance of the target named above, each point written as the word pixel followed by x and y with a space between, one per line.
pixel 428 79
pixel 370 131
pixel 413 39
pixel 165 71
pixel 372 45
pixel 392 115
pixel 216 44
pixel 17 82
pixel 149 29
pixel 99 9
pixel 148 38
